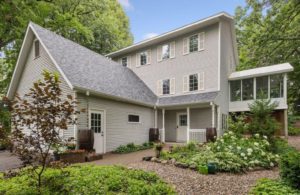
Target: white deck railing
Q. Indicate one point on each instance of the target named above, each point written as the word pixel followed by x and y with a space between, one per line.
pixel 198 135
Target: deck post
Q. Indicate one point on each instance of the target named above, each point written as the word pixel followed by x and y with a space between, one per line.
pixel 285 112
pixel 163 126
pixel 155 118
pixel 213 118
pixel 188 125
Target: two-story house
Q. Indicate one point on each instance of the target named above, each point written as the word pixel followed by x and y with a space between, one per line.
pixel 181 82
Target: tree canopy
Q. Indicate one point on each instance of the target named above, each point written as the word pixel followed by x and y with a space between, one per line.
pixel 100 25
pixel 268 32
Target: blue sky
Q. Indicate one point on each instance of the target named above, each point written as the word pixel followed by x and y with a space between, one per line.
pixel 151 17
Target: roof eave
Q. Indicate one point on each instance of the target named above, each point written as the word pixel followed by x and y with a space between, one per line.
pixel 169 34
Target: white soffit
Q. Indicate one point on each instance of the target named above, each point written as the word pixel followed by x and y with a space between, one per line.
pixel 262 71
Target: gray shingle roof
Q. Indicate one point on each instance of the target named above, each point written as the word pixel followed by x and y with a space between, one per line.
pixel 187 99
pixel 89 70
pixel 92 71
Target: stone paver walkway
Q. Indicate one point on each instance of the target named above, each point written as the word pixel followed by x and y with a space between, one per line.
pixel 124 159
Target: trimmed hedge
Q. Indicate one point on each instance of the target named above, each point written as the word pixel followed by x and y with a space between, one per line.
pixel 87 179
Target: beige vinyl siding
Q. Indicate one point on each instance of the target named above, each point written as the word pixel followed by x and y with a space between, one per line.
pixel 202 61
pixel 118 130
pixel 32 72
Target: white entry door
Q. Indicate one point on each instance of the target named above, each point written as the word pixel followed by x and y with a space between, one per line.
pixel 181 127
pixel 97 126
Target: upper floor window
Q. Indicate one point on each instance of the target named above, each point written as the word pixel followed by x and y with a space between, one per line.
pixel 36 48
pixel 193 82
pixel 193 43
pixel 124 61
pixel 143 58
pixel 166 86
pixel 166 51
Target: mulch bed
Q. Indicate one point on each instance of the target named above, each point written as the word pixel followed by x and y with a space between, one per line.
pixel 187 181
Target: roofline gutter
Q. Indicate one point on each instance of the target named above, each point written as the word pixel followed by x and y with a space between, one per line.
pixel 116 98
pixel 224 14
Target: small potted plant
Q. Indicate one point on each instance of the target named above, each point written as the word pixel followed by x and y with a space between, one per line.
pixel 203 169
pixel 158 148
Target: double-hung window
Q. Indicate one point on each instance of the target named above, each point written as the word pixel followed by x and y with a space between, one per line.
pixel 124 61
pixel 193 43
pixel 166 51
pixel 166 86
pixel 143 58
pixel 193 82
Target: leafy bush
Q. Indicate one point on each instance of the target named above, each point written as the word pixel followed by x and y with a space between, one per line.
pixel 88 179
pixel 290 168
pixel 262 121
pixel 280 146
pixel 293 131
pixel 131 147
pixel 230 153
pixel 274 187
pixel 238 124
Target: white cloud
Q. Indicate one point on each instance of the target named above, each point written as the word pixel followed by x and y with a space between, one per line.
pixel 126 4
pixel 150 35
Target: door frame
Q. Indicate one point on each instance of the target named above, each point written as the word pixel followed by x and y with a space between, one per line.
pixel 101 111
pixel 177 122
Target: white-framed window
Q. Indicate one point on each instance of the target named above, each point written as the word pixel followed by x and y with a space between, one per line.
pixel 133 118
pixel 166 86
pixel 96 122
pixel 193 82
pixel 166 51
pixel 124 61
pixel 143 58
pixel 36 48
pixel 193 43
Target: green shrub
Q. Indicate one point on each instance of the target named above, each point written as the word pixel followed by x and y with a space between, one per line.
pixel 274 187
pixel 131 147
pixel 88 179
pixel 293 131
pixel 280 146
pixel 230 153
pixel 262 121
pixel 290 168
pixel 238 124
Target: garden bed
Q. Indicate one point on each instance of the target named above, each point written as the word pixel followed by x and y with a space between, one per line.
pixel 229 153
pixel 88 179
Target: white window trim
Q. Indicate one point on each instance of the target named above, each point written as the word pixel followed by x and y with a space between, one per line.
pixel 135 115
pixel 188 43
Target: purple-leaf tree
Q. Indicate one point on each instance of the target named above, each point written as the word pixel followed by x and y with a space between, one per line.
pixel 38 120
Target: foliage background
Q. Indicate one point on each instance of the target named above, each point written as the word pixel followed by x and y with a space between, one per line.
pixel 100 25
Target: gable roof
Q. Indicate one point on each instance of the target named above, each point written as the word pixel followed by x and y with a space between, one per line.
pixel 86 70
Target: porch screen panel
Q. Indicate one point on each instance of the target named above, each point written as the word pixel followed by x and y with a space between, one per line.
pixel 262 85
pixel 276 86
pixel 235 90
pixel 247 86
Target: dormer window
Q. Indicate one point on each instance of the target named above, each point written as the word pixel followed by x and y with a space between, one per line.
pixel 36 48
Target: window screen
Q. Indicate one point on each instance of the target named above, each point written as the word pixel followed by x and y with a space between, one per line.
pixel 133 118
